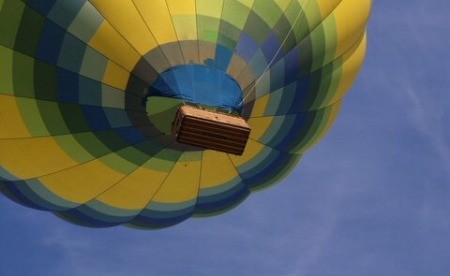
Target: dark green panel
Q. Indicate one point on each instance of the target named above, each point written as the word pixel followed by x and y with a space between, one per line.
pixel 45 81
pixel 23 75
pixel 256 28
pixel 74 117
pixel 29 33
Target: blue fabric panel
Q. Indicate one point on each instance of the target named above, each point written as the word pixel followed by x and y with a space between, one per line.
pixel 301 95
pixel 223 57
pixel 50 43
pixel 67 86
pixel 64 12
pixel 292 65
pixel 42 7
pixel 89 92
pixel 131 135
pixel 96 118
pixel 72 53
pixel 270 47
pixel 199 84
pixel 246 47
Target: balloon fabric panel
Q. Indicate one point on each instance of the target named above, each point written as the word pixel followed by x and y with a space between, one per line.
pixel 89 90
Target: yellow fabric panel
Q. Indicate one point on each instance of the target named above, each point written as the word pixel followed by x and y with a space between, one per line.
pixel 183 182
pixel 135 191
pixel 351 17
pixel 111 44
pixel 259 126
pixel 252 149
pixel 260 106
pixel 211 8
pixel 33 157
pixel 217 169
pixel 184 18
pixel 82 183
pixel 327 6
pixel 11 123
pixel 350 70
pixel 116 76
pixel 160 22
pixel 127 20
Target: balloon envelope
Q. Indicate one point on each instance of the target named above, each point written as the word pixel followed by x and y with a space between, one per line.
pixel 89 90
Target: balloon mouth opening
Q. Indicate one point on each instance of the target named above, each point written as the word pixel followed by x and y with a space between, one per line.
pixel 199 85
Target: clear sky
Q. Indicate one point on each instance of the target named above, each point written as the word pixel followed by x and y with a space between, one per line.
pixel 372 198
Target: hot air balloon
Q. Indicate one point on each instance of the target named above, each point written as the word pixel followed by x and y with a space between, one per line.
pixel 93 95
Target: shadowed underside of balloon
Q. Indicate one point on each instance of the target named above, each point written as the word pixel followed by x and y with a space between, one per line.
pixel 89 91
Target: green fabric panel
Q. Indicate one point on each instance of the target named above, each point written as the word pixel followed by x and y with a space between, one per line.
pixel 134 154
pixel 23 75
pixel 45 81
pixel 208 28
pixel 331 39
pixel 267 11
pixel 92 144
pixel 6 71
pixel 228 36
pixel 29 109
pixel 318 48
pixel 235 13
pixel 283 31
pixel 119 164
pixel 306 21
pixel 165 159
pixel 10 18
pixel 74 117
pixel 72 148
pixel 333 79
pixel 51 115
pixel 29 32
pixel 111 139
pixel 256 28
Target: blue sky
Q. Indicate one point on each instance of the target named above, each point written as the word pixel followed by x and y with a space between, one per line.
pixel 373 198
